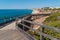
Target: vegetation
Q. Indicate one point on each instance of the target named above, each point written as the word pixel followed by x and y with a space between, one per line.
pixel 53 21
pixel 34 34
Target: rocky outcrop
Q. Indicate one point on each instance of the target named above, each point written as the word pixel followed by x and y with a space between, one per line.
pixel 40 11
pixel 35 11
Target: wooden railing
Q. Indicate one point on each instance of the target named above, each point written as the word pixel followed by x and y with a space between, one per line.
pixel 41 32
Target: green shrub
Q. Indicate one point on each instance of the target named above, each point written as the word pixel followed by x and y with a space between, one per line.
pixel 52 17
pixel 53 21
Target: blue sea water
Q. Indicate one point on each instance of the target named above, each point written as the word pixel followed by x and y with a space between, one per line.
pixel 13 12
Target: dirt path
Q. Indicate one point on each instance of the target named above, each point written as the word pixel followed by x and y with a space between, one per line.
pixel 40 21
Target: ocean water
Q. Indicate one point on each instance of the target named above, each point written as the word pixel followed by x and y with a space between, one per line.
pixel 12 13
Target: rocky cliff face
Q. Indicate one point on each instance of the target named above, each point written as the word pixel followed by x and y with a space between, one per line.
pixel 35 11
pixel 40 11
pixel 44 11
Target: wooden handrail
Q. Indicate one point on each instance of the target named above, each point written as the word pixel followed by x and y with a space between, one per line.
pixel 41 32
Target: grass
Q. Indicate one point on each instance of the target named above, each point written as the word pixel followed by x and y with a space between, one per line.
pixel 51 21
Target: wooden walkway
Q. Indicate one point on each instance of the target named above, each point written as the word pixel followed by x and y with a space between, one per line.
pixel 10 32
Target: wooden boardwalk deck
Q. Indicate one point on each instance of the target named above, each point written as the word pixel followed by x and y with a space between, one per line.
pixel 10 32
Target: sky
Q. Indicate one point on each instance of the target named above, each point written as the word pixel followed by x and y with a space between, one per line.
pixel 28 4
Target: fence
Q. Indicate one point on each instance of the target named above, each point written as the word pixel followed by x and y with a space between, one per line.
pixel 42 34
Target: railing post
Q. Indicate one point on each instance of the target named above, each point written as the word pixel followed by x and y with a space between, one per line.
pixel 41 31
pixel 23 26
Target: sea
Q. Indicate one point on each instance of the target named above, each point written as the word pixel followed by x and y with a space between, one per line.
pixel 7 13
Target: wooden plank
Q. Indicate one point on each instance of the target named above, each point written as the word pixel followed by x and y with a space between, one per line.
pixel 48 36
pixel 41 33
pixel 27 34
pixel 41 30
pixel 51 28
